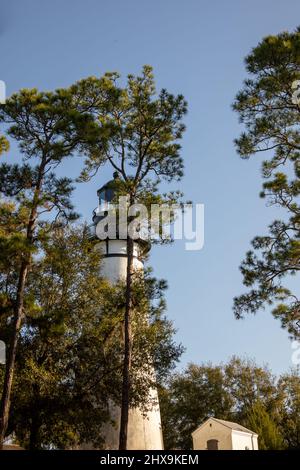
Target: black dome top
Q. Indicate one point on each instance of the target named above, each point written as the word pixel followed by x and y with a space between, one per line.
pixel 108 190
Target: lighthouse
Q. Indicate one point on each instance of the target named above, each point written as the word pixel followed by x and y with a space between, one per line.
pixel 144 429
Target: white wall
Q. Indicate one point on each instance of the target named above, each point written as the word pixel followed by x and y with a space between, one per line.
pixel 241 440
pixel 114 268
pixel 144 432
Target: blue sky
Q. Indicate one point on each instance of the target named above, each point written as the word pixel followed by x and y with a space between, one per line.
pixel 196 48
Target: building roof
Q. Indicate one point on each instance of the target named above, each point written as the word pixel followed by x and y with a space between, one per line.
pixel 235 426
pixel 111 184
pixel 228 424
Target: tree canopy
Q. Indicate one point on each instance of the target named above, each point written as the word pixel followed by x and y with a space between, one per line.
pixel 238 391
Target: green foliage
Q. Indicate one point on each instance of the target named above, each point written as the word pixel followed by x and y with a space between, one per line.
pixel 259 421
pixel 143 130
pixel 52 404
pixel 267 107
pixel 69 362
pixel 289 389
pixel 132 130
pixel 191 396
pixel 44 123
pixel 247 382
pixel 48 130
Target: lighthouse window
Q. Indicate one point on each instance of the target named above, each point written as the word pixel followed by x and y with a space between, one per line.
pixel 102 197
pixel 109 195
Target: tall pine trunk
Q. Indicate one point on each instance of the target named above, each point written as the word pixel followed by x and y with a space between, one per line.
pixel 127 348
pixel 10 364
pixel 18 312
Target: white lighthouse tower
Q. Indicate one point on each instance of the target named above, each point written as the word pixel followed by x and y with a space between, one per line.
pixel 144 430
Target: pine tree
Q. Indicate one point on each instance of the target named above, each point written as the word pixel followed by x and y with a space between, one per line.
pixel 143 133
pixel 259 421
pixel 289 411
pixel 69 361
pixel 47 133
pixel 269 107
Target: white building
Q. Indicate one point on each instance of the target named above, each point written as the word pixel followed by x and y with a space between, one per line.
pixel 217 434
